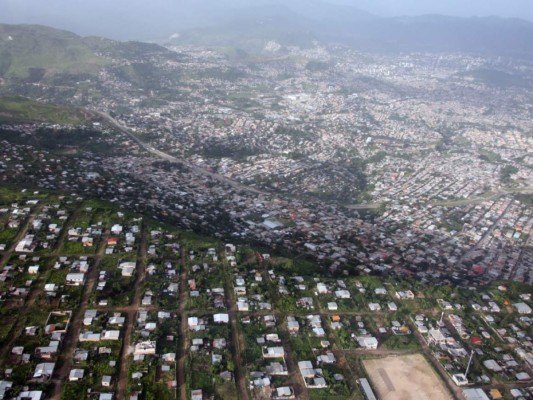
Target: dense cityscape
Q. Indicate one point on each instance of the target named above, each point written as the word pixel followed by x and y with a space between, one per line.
pixel 302 223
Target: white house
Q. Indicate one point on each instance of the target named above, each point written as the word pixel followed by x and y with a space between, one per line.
pixel 75 279
pixel 76 374
pixel 368 342
pixel 522 308
pixel 221 318
pixel 44 370
pixel 145 348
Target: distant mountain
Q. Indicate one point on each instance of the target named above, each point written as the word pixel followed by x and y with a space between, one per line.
pixel 295 23
pixel 434 33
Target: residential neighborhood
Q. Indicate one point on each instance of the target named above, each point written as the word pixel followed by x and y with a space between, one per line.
pixel 200 318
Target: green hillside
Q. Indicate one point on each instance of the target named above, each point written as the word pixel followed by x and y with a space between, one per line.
pixel 31 52
pixel 18 109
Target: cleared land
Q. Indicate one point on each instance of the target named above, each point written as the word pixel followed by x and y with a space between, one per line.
pixel 408 377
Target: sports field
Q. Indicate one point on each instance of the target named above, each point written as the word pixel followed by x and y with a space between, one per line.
pixel 408 377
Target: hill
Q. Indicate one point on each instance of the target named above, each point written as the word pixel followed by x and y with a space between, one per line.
pixel 34 54
pixel 31 52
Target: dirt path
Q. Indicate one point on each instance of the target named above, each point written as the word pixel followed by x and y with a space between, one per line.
pixel 70 342
pixel 298 384
pixel 183 349
pixel 16 331
pixel 237 339
pixel 19 326
pixel 22 232
pixel 130 317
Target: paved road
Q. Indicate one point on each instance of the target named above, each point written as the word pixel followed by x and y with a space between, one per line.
pixel 168 157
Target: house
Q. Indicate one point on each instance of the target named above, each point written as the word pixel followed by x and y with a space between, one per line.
pixel 492 365
pixel 75 374
pixel 321 288
pixel 33 270
pixel 89 337
pixel 116 320
pixel 219 343
pixel 273 352
pixel 81 355
pixel 49 351
pixel 75 279
pixel 169 357
pixel 475 394
pixel 328 358
pixel 332 306
pixel 44 371
pixel 30 395
pixel 374 306
pixel 111 335
pixel 380 291
pixel 26 245
pixel 106 380
pixel 242 305
pixel 240 290
pixel 197 394
pixel 192 322
pixel 127 267
pixel 522 308
pixel 342 294
pixel 368 342
pixel 312 376
pixel 50 287
pixel 145 348
pixel 4 388
pixel 283 393
pixel 392 306
pixel 407 295
pixel 116 229
pixel 277 369
pixel 523 376
pixel 292 325
pixel 87 241
pixel 221 318
pixel 436 336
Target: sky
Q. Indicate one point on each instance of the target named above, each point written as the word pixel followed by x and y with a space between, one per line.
pixel 461 8
pixel 141 19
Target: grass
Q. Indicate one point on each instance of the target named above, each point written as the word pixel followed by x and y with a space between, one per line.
pixel 51 50
pixel 401 342
pixel 19 109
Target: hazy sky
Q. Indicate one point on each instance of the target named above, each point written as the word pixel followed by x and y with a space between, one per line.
pixel 139 19
pixel 462 8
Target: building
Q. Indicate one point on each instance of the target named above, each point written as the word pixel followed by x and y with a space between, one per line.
pixel 368 342
pixel 522 308
pixel 365 387
pixel 76 374
pixel 475 394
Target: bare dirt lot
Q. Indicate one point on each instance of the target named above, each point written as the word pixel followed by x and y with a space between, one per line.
pixel 408 377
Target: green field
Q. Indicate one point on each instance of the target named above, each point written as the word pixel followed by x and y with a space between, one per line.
pixel 19 109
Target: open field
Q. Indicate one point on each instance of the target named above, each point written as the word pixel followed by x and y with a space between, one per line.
pixel 407 377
